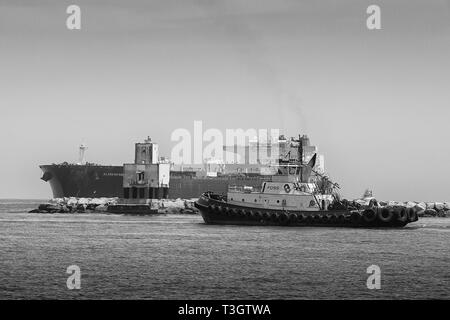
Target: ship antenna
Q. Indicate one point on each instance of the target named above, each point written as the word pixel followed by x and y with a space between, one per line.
pixel 81 159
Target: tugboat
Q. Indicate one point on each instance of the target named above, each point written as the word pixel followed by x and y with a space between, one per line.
pixel 291 199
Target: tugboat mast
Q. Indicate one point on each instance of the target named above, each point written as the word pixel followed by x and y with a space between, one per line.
pixel 300 155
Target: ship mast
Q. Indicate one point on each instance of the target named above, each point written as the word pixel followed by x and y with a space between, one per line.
pixel 300 155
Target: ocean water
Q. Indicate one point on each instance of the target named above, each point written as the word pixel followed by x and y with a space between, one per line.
pixel 179 257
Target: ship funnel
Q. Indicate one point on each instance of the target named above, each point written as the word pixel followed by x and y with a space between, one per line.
pixel 81 158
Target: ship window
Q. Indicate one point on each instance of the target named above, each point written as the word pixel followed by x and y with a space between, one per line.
pixel 140 176
pixel 243 200
pixel 141 193
pixel 278 201
pixel 255 200
pixel 134 190
pixel 126 193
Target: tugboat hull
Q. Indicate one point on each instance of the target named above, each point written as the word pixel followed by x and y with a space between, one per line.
pixel 215 210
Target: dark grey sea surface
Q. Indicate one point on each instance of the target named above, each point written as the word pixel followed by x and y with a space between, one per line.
pixel 179 257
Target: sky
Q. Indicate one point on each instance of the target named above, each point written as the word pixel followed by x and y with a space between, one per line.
pixel 375 102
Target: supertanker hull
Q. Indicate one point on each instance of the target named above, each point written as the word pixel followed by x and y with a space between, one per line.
pixel 88 181
pixel 92 181
pixel 216 210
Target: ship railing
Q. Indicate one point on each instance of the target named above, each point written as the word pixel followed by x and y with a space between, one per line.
pixel 138 182
pixel 245 189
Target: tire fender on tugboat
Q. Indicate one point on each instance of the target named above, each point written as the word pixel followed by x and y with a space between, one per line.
pixel 283 217
pixel 301 217
pixel 293 217
pixel 356 217
pixel 402 214
pixel 385 214
pixel 369 215
pixel 412 215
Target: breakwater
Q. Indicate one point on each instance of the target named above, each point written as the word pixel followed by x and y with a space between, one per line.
pixel 100 205
pixel 423 209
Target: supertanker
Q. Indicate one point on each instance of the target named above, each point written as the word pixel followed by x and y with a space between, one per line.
pixel 94 181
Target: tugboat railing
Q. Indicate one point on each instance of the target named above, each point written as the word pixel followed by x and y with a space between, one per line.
pixel 245 189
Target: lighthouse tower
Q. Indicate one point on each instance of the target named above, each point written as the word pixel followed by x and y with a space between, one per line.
pixel 146 178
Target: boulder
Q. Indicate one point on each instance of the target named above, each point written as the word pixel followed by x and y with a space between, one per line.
pixel 57 201
pixel 441 214
pixel 430 205
pixel 84 201
pixel 49 207
pixel 410 204
pixel 430 213
pixel 439 206
pixel 395 204
pixel 446 206
pixel 64 209
pixel 91 206
pixel 81 208
pixel 420 206
pixel 101 208
pixel 362 202
pixel 99 201
pixel 72 202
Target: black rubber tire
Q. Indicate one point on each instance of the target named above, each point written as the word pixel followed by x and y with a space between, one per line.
pixel 256 215
pixel 373 203
pixel 292 218
pixel 412 215
pixel 274 217
pixel 402 214
pixel 369 215
pixel 385 215
pixel 317 219
pixel 224 211
pixel 282 218
pixel 332 218
pixel 341 219
pixel 356 217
